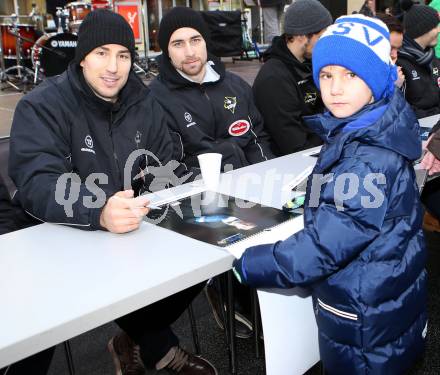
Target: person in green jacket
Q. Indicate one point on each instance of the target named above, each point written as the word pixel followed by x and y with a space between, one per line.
pixel 436 5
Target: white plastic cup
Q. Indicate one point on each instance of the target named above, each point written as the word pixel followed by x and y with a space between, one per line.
pixel 210 165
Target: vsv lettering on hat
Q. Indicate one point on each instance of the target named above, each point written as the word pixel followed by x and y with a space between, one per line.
pixel 370 33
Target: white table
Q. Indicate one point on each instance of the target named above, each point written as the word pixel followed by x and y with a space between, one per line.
pixel 58 282
pixel 429 122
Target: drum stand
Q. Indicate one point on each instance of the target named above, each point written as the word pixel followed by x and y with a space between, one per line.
pixel 3 75
pixel 142 65
pixel 23 74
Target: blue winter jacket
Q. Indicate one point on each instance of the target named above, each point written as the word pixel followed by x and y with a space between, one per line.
pixel 366 266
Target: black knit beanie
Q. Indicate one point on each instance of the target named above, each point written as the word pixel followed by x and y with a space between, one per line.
pixel 418 19
pixel 102 27
pixel 177 18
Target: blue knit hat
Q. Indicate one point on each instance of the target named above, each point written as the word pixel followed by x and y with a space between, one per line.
pixel 360 44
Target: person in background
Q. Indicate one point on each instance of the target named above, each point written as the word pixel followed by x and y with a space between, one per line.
pixel 417 58
pixel 284 90
pixel 367 9
pixel 272 14
pixel 362 253
pixel 436 5
pixel 396 41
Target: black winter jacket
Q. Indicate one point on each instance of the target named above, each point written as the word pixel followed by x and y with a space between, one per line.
pixel 212 117
pixel 284 92
pixel 62 127
pixel 422 80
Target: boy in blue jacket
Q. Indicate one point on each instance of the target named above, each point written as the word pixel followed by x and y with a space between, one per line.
pixel 361 250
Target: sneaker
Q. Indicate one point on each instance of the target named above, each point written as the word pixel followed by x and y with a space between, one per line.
pixel 243 326
pixel 126 355
pixel 185 363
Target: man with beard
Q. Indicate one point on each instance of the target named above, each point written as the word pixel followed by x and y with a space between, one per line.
pixel 422 85
pixel 417 58
pixel 284 90
pixel 210 110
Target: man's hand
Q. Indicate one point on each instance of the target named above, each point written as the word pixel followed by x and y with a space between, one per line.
pixel 122 213
pixel 429 161
pixel 400 77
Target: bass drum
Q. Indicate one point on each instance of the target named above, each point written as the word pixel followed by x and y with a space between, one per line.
pixel 52 53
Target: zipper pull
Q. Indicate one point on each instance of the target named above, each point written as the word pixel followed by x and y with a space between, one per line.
pixel 137 138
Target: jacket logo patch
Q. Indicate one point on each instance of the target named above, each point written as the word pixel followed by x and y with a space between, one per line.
pixel 239 128
pixel 230 103
pixel 435 71
pixel 415 75
pixel 89 143
pixel 310 98
pixel 189 119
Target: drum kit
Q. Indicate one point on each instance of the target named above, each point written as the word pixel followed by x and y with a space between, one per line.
pixel 29 53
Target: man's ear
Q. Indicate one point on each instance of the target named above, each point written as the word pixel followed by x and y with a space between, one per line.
pixel 82 63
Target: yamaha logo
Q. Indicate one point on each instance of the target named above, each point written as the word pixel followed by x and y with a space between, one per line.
pixel 89 141
pixel 63 43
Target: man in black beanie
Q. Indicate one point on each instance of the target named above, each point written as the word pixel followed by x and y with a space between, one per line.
pixel 83 127
pixel 417 58
pixel 422 73
pixel 284 89
pixel 210 110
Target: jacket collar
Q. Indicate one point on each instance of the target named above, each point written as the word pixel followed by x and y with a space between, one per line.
pixel 389 123
pixel 170 77
pixel 412 50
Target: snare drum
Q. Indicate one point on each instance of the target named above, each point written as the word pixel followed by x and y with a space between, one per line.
pixel 78 10
pixel 9 40
pixel 61 52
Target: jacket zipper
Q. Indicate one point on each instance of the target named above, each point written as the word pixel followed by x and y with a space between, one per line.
pixel 115 156
pixel 335 311
pixel 205 93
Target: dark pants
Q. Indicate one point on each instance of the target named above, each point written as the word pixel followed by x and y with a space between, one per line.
pixel 150 328
pixel 37 364
pixel 431 197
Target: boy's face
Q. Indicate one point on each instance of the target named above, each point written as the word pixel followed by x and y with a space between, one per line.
pixel 342 91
